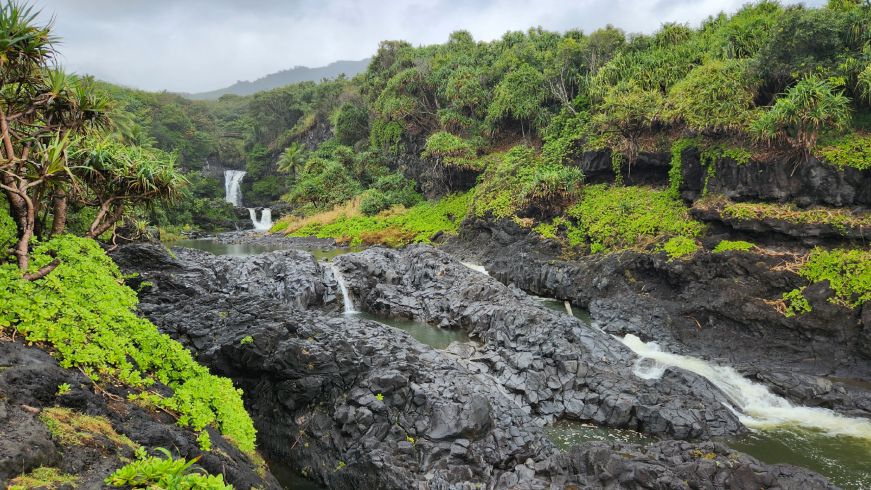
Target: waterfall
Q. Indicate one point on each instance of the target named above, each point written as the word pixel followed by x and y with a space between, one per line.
pixel 265 221
pixel 759 407
pixel 476 268
pixel 349 304
pixel 232 191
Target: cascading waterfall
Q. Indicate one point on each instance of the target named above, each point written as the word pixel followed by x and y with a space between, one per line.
pixel 265 221
pixel 758 407
pixel 346 298
pixel 232 191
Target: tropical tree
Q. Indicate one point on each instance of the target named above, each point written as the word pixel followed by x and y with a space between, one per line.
pixel 42 110
pixel 714 97
pixel 116 176
pixel 520 96
pixel 799 116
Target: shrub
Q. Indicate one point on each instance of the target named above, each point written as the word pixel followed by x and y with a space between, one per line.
pixel 848 272
pixel 388 191
pixel 852 150
pixel 450 150
pixel 615 218
pixel 84 313
pixel 799 116
pixel 714 97
pixel 352 124
pixel 727 245
pixel 322 185
pixel 680 246
pixel 520 181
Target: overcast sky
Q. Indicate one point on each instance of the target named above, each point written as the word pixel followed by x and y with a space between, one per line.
pixel 199 45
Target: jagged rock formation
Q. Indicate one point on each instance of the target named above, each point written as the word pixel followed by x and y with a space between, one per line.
pixel 358 404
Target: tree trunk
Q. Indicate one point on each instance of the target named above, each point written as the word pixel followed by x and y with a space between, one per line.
pixel 105 220
pixel 59 204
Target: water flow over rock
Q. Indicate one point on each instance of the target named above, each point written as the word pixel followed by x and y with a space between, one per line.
pixel 265 221
pixel 758 406
pixel 232 191
pixel 347 302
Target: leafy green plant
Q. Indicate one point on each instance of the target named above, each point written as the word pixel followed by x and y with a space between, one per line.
pixel 388 191
pixel 714 97
pixel 451 150
pixel 63 389
pixel 86 316
pixel 204 441
pixel 616 218
pixel 728 245
pixel 679 246
pixel 810 107
pixel 166 472
pixel 246 340
pixel 852 150
pixel 520 179
pixel 848 272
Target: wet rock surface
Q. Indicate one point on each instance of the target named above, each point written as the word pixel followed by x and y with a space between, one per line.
pixel 357 404
pixel 548 361
pixel 717 306
pixel 29 380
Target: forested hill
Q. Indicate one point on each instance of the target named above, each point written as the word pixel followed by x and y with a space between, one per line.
pixel 511 120
pixel 296 74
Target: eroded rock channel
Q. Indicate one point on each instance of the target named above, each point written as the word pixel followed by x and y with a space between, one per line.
pixel 353 403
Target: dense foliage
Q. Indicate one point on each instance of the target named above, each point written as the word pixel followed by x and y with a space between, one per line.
pixel 85 315
pixel 166 472
pixel 848 272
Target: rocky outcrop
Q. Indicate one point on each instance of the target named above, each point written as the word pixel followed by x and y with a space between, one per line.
pixel 776 231
pixel 805 183
pixel 717 306
pixel 29 381
pixel 357 404
pixel 549 362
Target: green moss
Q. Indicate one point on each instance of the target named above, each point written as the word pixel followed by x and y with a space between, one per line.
pixel 727 245
pixel 42 477
pixel 679 246
pixel 852 150
pixel 395 227
pixel 83 312
pixel 71 428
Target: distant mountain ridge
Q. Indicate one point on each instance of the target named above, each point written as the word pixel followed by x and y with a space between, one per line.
pixel 286 77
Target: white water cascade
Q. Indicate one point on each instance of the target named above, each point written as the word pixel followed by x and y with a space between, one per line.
pixel 346 298
pixel 232 191
pixel 476 268
pixel 265 221
pixel 758 407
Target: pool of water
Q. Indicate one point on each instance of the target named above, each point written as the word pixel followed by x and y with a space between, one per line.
pixel 844 460
pixel 438 338
pixel 246 249
pixel 566 433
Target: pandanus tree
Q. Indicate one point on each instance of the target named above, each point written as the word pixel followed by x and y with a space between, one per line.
pixel 47 118
pixel 111 176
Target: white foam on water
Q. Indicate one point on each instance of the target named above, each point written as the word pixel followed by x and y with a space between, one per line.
pixel 758 407
pixel 265 221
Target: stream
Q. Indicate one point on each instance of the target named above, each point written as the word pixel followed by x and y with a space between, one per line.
pixel 833 445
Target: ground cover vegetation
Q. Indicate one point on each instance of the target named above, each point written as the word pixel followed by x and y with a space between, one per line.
pixel 68 156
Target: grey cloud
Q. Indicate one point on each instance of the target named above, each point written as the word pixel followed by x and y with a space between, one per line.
pixel 198 45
